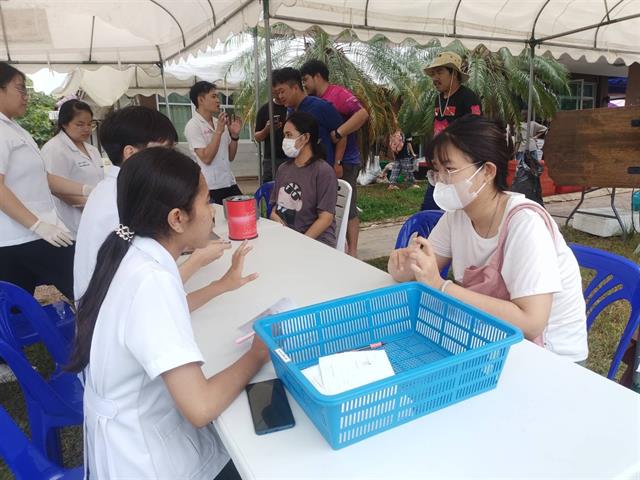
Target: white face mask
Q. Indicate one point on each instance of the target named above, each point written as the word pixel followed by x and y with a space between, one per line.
pixel 455 196
pixel 289 147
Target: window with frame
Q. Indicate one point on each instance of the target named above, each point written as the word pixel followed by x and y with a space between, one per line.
pixel 582 96
pixel 182 110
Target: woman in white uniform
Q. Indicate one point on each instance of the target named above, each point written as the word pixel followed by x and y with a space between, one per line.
pixel 69 155
pixel 36 247
pixel 507 254
pixel 148 406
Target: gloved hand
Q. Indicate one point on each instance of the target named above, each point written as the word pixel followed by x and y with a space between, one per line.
pixel 86 190
pixel 53 234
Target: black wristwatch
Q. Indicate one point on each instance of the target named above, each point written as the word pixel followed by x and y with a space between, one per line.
pixel 337 134
pixel 235 139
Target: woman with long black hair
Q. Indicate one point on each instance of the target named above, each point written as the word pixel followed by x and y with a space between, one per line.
pixel 148 406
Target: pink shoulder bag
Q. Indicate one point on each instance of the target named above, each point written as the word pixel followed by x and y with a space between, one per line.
pixel 488 278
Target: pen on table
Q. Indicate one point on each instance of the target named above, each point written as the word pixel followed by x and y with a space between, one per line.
pixel 244 338
pixel 371 346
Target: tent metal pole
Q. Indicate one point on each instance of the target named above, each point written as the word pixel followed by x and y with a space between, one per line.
pixel 164 88
pixel 164 83
pixel 4 35
pixel 530 99
pixel 256 79
pixel 267 44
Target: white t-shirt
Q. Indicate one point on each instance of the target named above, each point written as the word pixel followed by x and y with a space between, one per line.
pixel 62 157
pixel 99 218
pixel 133 426
pixel 532 265
pixel 199 133
pixel 25 175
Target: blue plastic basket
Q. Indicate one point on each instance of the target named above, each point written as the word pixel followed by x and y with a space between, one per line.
pixel 442 351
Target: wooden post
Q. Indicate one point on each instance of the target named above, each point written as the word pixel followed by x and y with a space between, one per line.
pixel 632 95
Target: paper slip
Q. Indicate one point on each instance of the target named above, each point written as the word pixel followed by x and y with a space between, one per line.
pixel 282 305
pixel 348 370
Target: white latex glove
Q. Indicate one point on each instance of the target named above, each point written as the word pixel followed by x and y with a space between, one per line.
pixel 54 234
pixel 86 190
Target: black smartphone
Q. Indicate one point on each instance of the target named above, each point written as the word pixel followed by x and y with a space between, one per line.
pixel 269 406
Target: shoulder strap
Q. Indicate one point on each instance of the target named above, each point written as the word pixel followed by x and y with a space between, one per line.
pixel 499 255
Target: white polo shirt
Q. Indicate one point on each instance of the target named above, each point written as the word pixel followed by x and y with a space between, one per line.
pixel 25 175
pixel 133 426
pixel 199 134
pixel 99 218
pixel 62 157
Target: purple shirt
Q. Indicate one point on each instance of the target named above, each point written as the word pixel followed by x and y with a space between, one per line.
pixel 347 104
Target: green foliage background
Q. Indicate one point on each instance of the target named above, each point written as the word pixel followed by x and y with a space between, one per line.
pixel 36 120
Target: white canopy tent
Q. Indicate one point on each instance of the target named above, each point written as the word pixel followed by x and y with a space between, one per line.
pixel 593 28
pixel 66 33
pixel 63 34
pixel 90 33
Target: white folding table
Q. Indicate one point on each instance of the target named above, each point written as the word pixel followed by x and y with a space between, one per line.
pixel 547 418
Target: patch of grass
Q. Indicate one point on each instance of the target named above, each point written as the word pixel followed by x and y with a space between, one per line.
pixel 607 328
pixel 378 203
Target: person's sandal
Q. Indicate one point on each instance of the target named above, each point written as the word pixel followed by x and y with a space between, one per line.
pixel 393 187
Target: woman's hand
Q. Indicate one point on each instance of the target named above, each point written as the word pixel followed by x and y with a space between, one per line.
pixel 423 263
pixel 213 251
pixel 399 265
pixel 233 279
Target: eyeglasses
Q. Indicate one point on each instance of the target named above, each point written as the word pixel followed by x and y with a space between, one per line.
pixel 22 90
pixel 445 177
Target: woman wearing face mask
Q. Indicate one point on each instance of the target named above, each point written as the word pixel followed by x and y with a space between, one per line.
pixel 306 190
pixel 507 255
pixel 69 155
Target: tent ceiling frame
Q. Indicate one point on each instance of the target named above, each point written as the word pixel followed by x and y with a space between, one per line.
pixel 531 41
pixel 535 22
pixel 366 13
pixel 4 34
pixel 93 25
pixel 588 27
pixel 608 17
pixel 166 10
pixel 455 17
pixel 213 13
pixel 239 9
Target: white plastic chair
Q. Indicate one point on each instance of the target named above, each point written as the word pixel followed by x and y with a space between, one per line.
pixel 342 213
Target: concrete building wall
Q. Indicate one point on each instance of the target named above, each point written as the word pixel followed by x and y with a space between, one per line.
pixel 246 161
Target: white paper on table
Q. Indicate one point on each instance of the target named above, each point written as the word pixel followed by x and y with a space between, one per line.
pixel 282 305
pixel 348 370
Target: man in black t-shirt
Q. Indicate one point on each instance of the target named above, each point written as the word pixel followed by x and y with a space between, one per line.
pixel 454 100
pixel 262 134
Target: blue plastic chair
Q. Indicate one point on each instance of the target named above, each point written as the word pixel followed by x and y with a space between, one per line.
pixel 264 193
pixel 51 404
pixel 34 323
pixel 611 271
pixel 26 461
pixel 421 223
